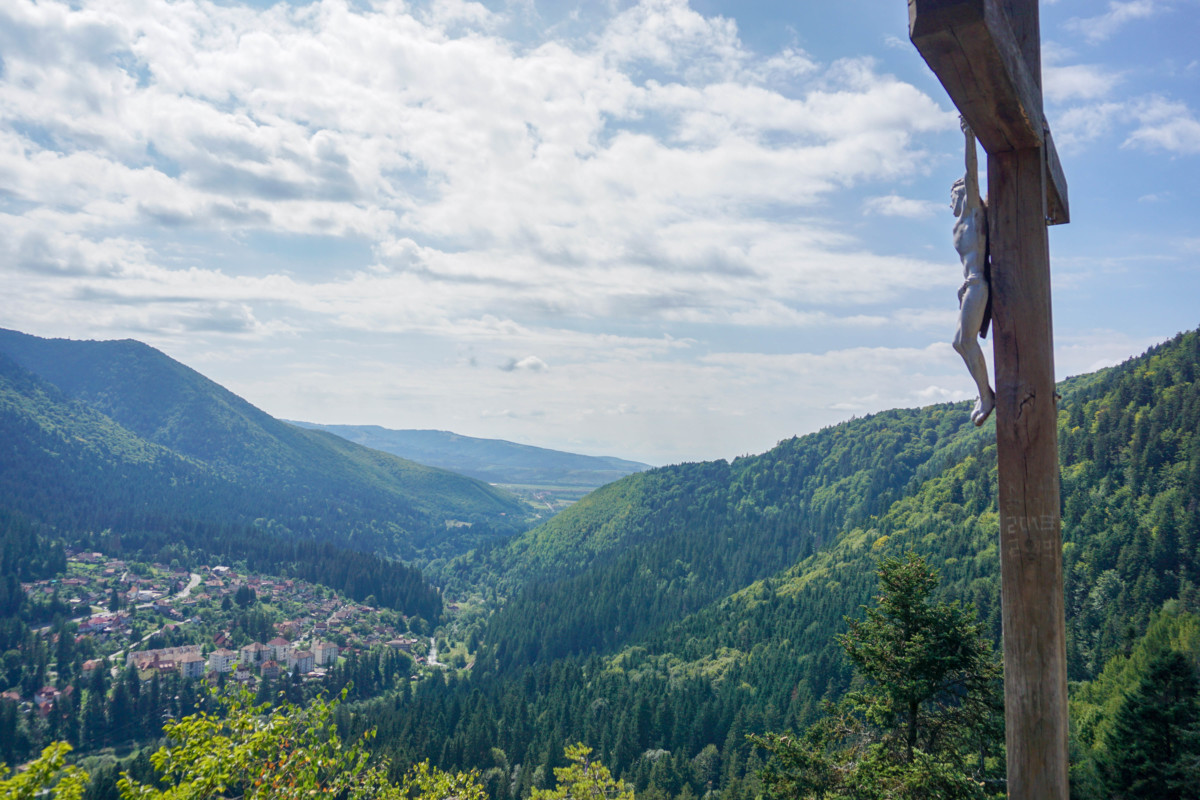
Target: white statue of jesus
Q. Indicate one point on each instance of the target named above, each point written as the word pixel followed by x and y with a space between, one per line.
pixel 974 311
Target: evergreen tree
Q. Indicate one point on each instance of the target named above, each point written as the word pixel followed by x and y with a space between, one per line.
pixel 1154 745
pixel 921 725
pixel 244 596
pixel 95 726
pixel 266 691
pixel 932 674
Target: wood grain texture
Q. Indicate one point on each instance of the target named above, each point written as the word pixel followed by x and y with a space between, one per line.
pixel 974 49
pixel 1058 209
pixel 971 47
pixel 1035 660
pixel 1032 604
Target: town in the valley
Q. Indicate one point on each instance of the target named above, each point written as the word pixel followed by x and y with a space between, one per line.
pixel 214 623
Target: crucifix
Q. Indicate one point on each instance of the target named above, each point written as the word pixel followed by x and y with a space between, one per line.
pixel 987 55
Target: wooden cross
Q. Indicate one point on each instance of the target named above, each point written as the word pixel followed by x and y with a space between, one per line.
pixel 987 54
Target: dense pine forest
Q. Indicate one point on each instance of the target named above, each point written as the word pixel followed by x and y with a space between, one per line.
pixel 679 621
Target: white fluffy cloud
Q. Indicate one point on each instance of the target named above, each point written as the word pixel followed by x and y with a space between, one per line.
pixel 1155 123
pixel 623 176
pixel 1080 124
pixel 1166 125
pixel 1078 82
pixel 397 206
pixel 893 205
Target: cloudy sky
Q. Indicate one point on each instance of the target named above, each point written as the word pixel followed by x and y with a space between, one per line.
pixel 661 230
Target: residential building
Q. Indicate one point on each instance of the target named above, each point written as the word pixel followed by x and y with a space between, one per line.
pixel 44 698
pixel 324 653
pixel 191 665
pixel 222 660
pixel 302 659
pixel 255 653
pixel 279 648
pixel 144 659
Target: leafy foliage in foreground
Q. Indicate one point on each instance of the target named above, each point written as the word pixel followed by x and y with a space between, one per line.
pixel 49 772
pixel 584 779
pixel 254 752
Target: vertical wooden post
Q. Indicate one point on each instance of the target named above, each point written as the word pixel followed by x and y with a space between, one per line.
pixel 1035 657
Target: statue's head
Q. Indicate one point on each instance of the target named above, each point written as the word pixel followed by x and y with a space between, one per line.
pixel 958 196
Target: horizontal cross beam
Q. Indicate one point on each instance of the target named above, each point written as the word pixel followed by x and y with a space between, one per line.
pixel 970 46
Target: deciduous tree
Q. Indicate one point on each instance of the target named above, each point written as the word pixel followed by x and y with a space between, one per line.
pixel 584 779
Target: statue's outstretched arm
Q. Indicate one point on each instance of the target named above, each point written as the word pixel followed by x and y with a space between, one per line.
pixel 972 161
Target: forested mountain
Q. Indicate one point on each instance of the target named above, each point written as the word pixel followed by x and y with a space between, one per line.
pixel 669 614
pixel 672 613
pixel 661 542
pixel 116 434
pixel 492 460
pixel 660 545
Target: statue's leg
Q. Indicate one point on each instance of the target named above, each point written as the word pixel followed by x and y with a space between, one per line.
pixel 966 342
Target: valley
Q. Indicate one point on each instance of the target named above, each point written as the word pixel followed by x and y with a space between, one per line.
pixel 662 619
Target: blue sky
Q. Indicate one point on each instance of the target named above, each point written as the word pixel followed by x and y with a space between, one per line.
pixel 659 230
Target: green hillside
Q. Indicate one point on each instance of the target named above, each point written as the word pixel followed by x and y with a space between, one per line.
pixel 657 546
pixel 666 540
pixel 679 635
pixel 1130 453
pixel 66 463
pixel 223 459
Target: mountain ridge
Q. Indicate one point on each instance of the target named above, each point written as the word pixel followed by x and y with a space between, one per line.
pixel 308 482
pixel 493 460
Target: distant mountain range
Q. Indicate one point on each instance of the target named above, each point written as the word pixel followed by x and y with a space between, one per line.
pixel 493 460
pixel 116 435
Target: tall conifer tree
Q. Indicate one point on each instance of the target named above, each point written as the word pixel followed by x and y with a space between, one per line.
pixel 1154 745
